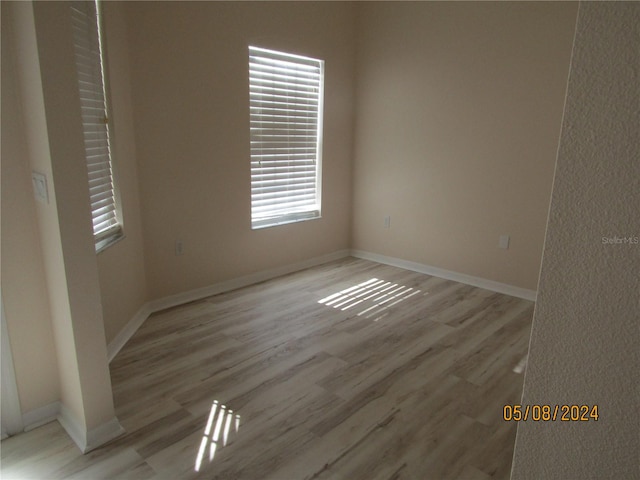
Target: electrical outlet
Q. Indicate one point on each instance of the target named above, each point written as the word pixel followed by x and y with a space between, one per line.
pixel 387 221
pixel 504 242
pixel 179 247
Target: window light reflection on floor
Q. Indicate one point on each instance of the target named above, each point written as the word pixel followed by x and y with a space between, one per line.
pixel 373 297
pixel 219 424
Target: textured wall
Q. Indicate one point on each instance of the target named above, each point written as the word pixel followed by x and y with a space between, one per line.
pixel 458 114
pixel 585 337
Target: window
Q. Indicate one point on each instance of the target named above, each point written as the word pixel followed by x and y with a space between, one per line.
pixel 89 64
pixel 286 136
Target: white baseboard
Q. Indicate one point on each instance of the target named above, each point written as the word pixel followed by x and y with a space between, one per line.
pixel 85 440
pixel 128 330
pixel 244 281
pixel 448 275
pixel 73 427
pixel 102 434
pixel 40 416
pixel 88 440
pixel 192 295
pixel 185 297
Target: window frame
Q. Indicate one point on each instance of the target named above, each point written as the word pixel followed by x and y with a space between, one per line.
pixel 297 214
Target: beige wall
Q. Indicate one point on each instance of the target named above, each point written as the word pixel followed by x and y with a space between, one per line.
pixel 189 63
pixel 24 290
pixel 585 336
pixel 458 116
pixel 121 267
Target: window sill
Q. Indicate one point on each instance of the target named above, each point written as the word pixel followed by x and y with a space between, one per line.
pixel 107 242
pixel 285 220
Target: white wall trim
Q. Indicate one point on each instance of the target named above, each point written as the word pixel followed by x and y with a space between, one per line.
pixel 246 280
pixel 88 440
pixel 448 275
pixel 73 427
pixel 85 440
pixel 197 294
pixel 12 421
pixel 40 416
pixel 181 298
pixel 102 434
pixel 128 330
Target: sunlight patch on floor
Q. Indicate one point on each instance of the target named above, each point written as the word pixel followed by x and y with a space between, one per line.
pixel 372 297
pixel 217 431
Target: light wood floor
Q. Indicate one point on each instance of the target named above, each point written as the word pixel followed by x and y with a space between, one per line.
pixel 400 376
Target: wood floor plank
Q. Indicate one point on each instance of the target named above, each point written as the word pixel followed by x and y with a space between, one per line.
pixel 349 370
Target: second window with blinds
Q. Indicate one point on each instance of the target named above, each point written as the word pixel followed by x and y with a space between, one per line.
pixel 106 217
pixel 286 97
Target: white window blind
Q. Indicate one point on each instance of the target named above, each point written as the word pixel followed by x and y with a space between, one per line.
pixel 89 64
pixel 286 95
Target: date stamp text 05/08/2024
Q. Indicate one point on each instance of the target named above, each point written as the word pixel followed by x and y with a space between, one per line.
pixel 550 413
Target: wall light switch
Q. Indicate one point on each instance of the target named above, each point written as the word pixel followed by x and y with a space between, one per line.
pixel 504 242
pixel 40 187
pixel 179 247
pixel 387 221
